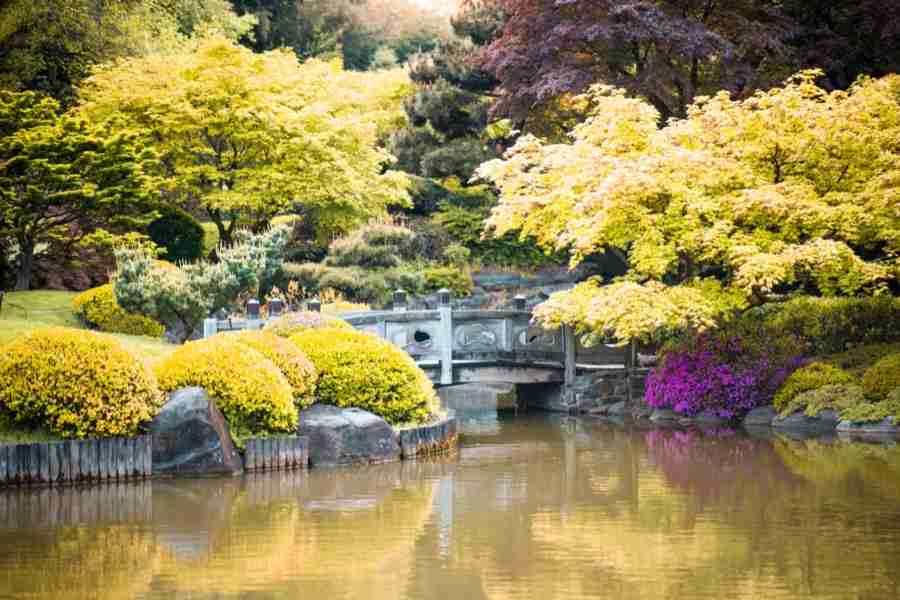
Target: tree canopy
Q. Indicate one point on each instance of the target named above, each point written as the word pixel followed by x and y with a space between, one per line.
pixel 671 51
pixel 62 177
pixel 246 136
pixel 361 32
pixel 791 189
pixel 50 46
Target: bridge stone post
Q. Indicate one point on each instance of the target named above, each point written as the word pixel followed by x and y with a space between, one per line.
pixel 210 327
pixel 445 310
pixel 569 347
pixel 399 300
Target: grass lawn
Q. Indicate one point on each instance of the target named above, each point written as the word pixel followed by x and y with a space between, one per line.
pixel 23 312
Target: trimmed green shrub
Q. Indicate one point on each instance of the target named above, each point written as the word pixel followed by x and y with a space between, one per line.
pixel 180 234
pixel 252 393
pixel 404 278
pixel 832 325
pixel 835 397
pixel 293 364
pixel 860 358
pixel 875 412
pixel 882 378
pixel 360 370
pixel 810 377
pixel 452 278
pixel 76 384
pixel 307 275
pixel 457 255
pixel 356 252
pixel 181 297
pixel 291 323
pixel 98 308
pixel 356 284
pixel 387 234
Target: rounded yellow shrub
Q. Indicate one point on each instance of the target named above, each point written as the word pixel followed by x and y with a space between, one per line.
pixel 254 396
pixel 76 383
pixel 292 323
pixel 362 371
pixel 98 308
pixel 882 378
pixel 290 360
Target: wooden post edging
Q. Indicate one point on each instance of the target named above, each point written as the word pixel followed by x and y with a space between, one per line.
pixel 276 454
pixel 75 461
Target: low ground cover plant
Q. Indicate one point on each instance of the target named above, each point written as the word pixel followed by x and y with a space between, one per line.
pixel 76 384
pixel 833 396
pixel 253 394
pixel 360 370
pixel 875 412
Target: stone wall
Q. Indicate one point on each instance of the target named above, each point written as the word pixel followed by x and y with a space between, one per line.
pixel 591 392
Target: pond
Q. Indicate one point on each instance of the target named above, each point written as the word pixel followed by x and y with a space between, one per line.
pixel 531 507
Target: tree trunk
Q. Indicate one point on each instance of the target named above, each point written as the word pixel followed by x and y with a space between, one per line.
pixel 26 263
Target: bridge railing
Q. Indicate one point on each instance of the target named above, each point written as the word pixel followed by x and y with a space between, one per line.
pixel 450 345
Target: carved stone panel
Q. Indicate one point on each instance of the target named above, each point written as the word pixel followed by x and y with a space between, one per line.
pixel 418 339
pixel 479 336
pixel 534 338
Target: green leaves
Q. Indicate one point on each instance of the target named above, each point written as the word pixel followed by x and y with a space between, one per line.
pixel 62 176
pixel 248 136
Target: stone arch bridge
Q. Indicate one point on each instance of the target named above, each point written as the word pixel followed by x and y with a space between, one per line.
pixel 552 369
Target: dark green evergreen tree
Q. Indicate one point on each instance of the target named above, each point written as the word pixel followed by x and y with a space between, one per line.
pixel 448 113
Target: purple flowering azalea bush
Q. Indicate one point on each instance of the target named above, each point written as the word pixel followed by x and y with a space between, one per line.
pixel 725 373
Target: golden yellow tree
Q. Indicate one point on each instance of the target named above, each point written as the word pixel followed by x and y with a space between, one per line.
pixel 247 136
pixel 792 189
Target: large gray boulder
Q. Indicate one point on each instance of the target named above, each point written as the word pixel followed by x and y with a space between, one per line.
pixel 760 417
pixel 190 437
pixel 885 426
pixel 825 421
pixel 346 436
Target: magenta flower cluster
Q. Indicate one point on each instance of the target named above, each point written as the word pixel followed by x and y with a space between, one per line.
pixel 722 375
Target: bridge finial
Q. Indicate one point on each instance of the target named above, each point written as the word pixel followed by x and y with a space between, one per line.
pixel 400 300
pixel 276 307
pixel 253 309
pixel 444 297
pixel 519 302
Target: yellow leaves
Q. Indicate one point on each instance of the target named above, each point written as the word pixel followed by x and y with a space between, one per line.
pixel 258 133
pixel 294 365
pixel 792 186
pixel 251 391
pixel 77 383
pixel 627 310
pixel 360 370
pixel 98 308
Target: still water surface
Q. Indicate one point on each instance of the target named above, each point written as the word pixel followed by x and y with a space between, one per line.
pixel 531 507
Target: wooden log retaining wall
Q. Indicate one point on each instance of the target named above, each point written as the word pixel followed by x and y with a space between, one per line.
pixel 115 502
pixel 75 461
pixel 276 454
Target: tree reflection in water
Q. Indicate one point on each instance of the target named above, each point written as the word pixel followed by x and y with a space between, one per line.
pixel 533 507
